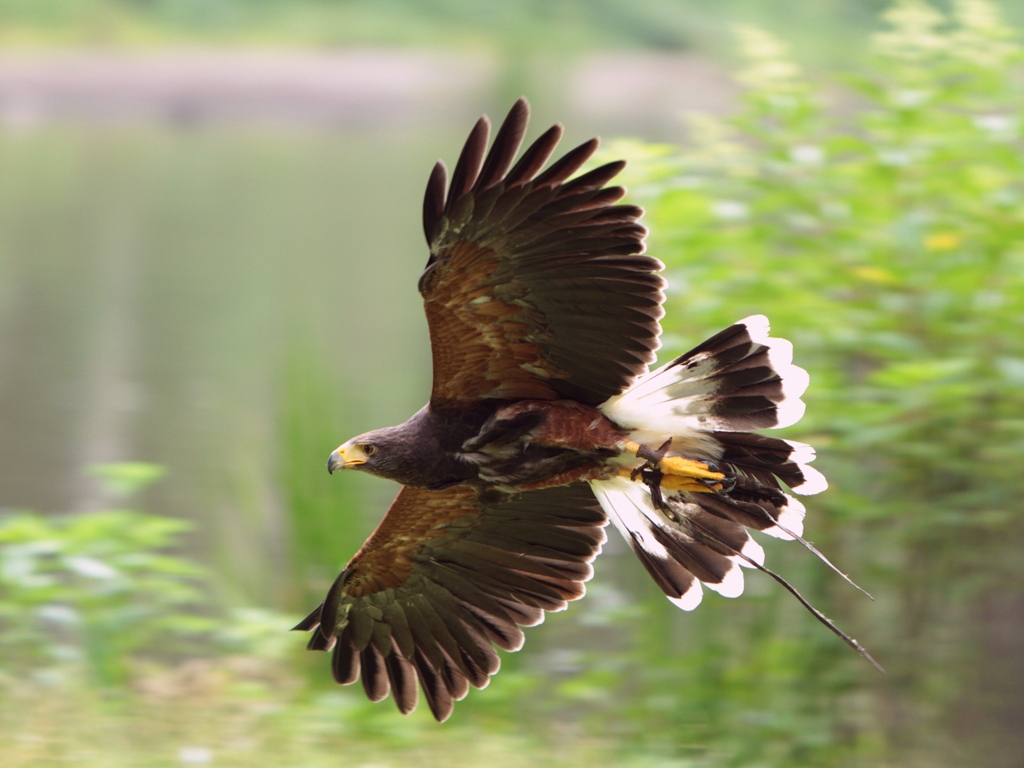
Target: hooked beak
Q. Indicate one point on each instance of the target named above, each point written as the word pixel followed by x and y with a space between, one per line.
pixel 344 458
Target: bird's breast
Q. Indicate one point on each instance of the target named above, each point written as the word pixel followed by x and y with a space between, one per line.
pixel 529 442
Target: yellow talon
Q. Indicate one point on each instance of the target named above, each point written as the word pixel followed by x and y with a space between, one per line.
pixel 677 483
pixel 677 466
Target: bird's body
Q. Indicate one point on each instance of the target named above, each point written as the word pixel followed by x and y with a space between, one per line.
pixel 544 424
pixel 514 446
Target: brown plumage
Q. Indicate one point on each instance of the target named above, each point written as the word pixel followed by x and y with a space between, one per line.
pixel 535 287
pixel 446 575
pixel 542 425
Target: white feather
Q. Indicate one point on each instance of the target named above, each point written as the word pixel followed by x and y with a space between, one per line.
pixel 791 517
pixel 814 482
pixel 802 452
pixel 754 551
pixel 675 400
pixel 625 501
pixel 731 584
pixel 795 379
pixel 691 598
pixel 630 508
pixel 632 511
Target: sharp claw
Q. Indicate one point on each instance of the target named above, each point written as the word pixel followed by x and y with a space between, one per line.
pixel 652 479
pixel 652 474
pixel 725 485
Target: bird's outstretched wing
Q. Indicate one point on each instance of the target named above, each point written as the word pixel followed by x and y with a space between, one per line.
pixel 536 287
pixel 446 575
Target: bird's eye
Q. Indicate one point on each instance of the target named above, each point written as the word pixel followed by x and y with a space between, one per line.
pixel 369 449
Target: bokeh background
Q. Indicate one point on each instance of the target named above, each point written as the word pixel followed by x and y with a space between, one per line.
pixel 209 245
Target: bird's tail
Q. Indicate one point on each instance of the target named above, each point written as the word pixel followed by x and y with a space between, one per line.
pixel 706 402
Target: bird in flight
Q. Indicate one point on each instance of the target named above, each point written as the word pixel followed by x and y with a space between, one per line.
pixel 544 423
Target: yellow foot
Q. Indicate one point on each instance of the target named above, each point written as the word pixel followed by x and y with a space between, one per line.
pixel 676 483
pixel 680 467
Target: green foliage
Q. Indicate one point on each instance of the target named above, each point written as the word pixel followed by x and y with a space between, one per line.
pixel 326 524
pixel 127 477
pixel 828 30
pixel 95 589
pixel 887 244
pixel 883 236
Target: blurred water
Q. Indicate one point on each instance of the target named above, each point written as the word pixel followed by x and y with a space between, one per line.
pixel 152 277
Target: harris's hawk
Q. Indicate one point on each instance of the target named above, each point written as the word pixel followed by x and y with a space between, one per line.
pixel 544 423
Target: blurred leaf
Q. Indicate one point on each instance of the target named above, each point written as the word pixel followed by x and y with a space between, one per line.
pixel 127 477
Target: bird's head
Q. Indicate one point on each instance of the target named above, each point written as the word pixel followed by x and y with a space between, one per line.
pixel 378 452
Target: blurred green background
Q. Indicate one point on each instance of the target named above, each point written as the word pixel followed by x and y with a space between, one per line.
pixel 209 243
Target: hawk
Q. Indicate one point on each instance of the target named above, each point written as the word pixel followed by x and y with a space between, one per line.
pixel 544 423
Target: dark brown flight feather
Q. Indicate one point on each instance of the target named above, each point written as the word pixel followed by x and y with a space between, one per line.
pixel 464 575
pixel 535 287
